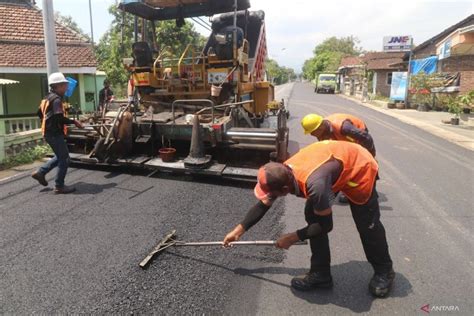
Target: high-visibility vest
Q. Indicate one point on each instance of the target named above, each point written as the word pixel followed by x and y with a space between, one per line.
pixel 47 113
pixel 338 119
pixel 359 168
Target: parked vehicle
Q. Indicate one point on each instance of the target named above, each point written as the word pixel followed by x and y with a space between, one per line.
pixel 325 83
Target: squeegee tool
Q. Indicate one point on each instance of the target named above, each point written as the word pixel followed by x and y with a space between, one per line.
pixel 169 241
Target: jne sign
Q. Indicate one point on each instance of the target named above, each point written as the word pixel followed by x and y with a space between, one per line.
pixel 397 43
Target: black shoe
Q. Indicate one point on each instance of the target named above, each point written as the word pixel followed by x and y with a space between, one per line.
pixel 64 190
pixel 343 198
pixel 38 176
pixel 312 280
pixel 381 284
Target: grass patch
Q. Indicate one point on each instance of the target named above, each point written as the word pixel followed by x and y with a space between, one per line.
pixel 379 97
pixel 26 157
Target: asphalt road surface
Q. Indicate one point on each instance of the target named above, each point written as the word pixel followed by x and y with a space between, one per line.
pixel 80 253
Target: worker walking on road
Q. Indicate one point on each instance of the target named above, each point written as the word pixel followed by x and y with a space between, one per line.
pixel 316 173
pixel 339 126
pixel 53 126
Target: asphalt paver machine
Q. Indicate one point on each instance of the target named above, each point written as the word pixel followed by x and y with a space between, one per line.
pixel 208 110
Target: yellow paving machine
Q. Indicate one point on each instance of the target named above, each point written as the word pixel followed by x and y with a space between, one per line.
pixel 207 111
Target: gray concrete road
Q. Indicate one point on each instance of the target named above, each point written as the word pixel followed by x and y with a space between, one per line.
pixel 80 253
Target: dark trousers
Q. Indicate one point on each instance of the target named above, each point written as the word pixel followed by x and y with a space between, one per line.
pixel 371 231
pixel 60 159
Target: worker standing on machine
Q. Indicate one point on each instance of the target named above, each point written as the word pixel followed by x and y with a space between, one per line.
pixel 53 127
pixel 105 95
pixel 315 173
pixel 339 126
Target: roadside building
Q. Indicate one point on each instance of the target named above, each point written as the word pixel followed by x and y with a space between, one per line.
pixel 454 49
pixel 380 67
pixel 23 71
pixel 351 70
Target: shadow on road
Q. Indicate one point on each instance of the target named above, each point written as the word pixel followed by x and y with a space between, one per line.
pixel 350 290
pixel 92 188
pixel 350 285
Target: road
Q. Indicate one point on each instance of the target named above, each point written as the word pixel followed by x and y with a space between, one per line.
pixel 80 253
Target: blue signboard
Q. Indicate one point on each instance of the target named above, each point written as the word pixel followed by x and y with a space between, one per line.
pixel 399 86
pixel 426 65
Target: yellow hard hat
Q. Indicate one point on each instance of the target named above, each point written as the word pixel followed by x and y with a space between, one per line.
pixel 311 122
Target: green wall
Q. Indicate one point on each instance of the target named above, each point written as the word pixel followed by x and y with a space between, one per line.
pixel 89 88
pixel 24 98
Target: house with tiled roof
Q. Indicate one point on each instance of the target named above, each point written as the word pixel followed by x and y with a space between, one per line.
pixel 22 58
pixel 379 67
pixel 23 71
pixel 350 69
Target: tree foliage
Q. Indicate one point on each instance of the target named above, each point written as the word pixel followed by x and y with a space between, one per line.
pixel 327 55
pixel 278 74
pixel 116 44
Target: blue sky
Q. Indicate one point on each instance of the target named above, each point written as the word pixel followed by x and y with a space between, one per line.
pixel 293 31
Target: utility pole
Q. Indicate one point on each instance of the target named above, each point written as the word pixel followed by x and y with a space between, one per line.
pixel 93 49
pixel 50 44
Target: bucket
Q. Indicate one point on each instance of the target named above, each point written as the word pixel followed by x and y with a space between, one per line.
pixel 216 91
pixel 71 87
pixel 167 154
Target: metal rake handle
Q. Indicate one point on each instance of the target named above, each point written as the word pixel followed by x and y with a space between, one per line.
pixel 235 243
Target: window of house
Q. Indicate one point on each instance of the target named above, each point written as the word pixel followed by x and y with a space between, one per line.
pixel 389 78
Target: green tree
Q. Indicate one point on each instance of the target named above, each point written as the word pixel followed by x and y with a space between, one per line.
pixel 345 45
pixel 327 55
pixel 278 74
pixel 116 43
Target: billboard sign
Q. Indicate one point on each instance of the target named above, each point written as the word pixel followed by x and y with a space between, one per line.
pixel 397 43
pixel 399 86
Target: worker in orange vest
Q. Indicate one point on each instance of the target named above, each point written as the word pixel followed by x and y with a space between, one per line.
pixel 339 126
pixel 316 173
pixel 53 127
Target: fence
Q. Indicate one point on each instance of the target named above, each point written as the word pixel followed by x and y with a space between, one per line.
pixel 18 134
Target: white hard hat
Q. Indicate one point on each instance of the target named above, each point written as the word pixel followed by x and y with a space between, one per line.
pixel 57 77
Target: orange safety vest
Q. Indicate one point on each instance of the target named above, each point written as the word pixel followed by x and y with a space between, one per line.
pixel 359 171
pixel 44 108
pixel 336 121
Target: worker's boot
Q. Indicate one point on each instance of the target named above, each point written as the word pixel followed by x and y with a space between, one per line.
pixel 381 284
pixel 38 176
pixel 312 280
pixel 64 190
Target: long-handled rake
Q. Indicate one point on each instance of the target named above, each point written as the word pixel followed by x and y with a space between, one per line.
pixel 169 241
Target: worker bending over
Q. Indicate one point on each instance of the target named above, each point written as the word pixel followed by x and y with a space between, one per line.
pixel 316 173
pixel 339 126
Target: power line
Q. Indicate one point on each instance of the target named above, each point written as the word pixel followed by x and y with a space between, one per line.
pixel 203 21
pixel 203 25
